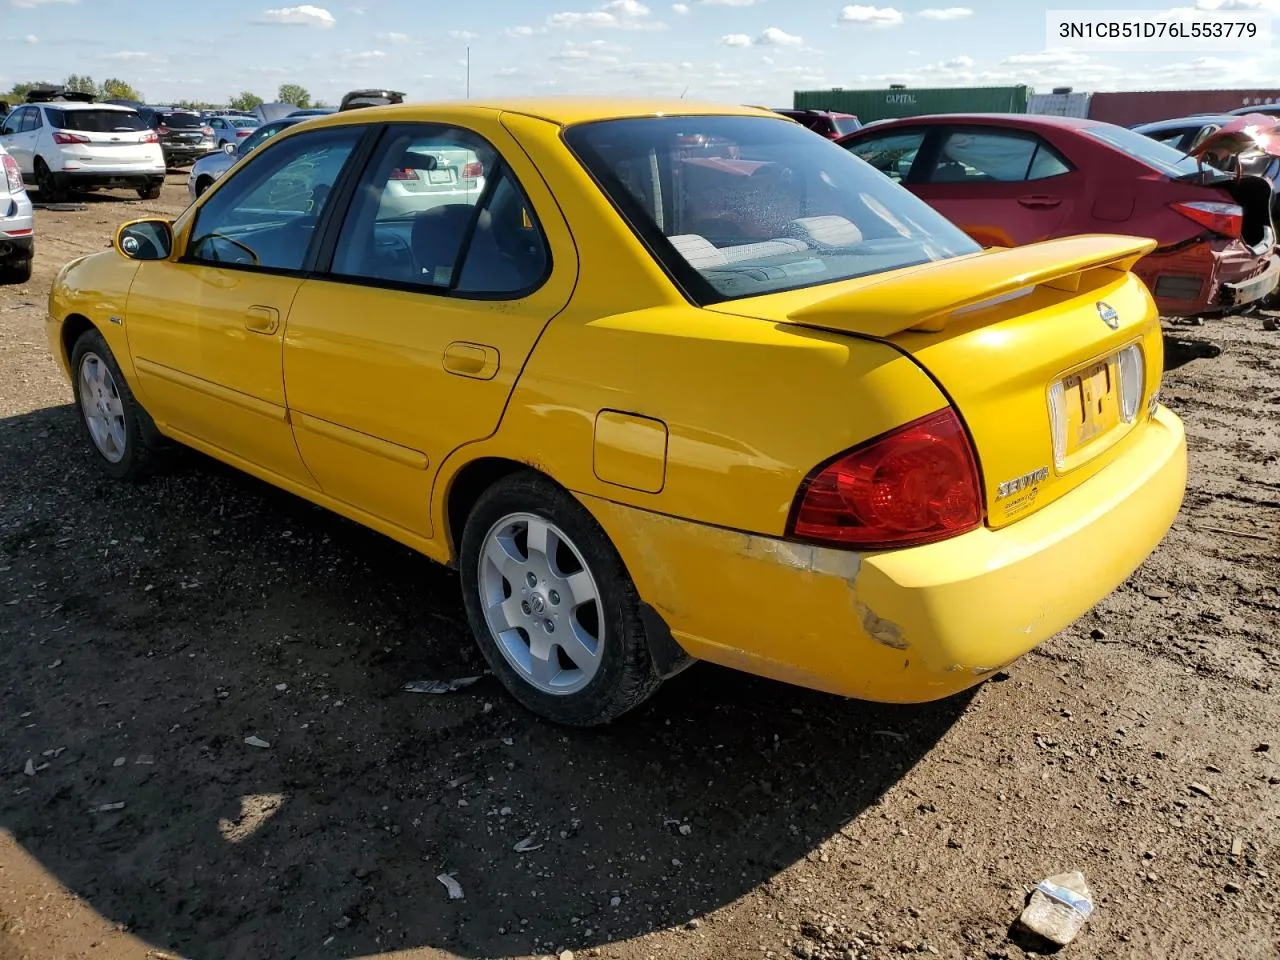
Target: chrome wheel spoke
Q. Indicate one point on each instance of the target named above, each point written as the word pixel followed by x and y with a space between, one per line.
pixel 102 408
pixel 543 663
pixel 539 538
pixel 581 588
pixel 501 552
pixel 506 615
pixel 579 646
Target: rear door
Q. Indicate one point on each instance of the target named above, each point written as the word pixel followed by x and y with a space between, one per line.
pixel 1003 187
pixel 410 346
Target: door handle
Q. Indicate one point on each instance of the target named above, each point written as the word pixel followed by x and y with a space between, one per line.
pixel 1039 201
pixel 473 360
pixel 264 320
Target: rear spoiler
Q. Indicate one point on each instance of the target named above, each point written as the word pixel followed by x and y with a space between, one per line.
pixel 925 298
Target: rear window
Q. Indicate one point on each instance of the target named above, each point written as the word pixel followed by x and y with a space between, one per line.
pixel 1160 156
pixel 845 125
pixel 742 206
pixel 96 121
pixel 244 123
pixel 181 121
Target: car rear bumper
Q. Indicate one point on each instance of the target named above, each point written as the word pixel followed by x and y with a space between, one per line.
pixel 109 178
pixel 911 625
pixel 1209 276
pixel 17 228
pixel 186 152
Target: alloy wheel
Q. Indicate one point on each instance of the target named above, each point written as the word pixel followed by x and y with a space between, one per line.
pixel 541 603
pixel 102 408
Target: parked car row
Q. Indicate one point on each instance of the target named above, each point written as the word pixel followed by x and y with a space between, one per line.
pixel 1015 179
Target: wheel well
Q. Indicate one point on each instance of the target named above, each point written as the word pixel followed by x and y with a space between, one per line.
pixel 73 328
pixel 468 486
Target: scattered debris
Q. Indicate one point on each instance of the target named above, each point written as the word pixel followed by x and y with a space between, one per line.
pixel 1262 748
pixel 566 955
pixel 891 734
pixel 1201 789
pixel 441 686
pixel 528 844
pixel 685 829
pixel 1059 908
pixel 1237 847
pixel 257 742
pixel 281 687
pixel 452 885
pixel 615 901
pixel 119 762
pixel 60 207
pixel 1157 593
pixel 108 807
pixel 1271 323
pixel 1230 887
pixel 1097 633
pixel 30 768
pixel 145 760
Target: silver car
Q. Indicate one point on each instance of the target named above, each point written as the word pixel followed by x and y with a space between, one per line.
pixel 17 224
pixel 207 170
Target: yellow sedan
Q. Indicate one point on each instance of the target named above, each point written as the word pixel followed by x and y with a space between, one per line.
pixel 666 382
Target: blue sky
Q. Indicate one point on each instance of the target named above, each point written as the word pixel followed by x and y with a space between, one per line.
pixel 755 51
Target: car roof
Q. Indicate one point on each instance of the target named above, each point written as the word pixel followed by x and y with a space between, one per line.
pixel 1025 121
pixel 79 105
pixel 1199 119
pixel 563 111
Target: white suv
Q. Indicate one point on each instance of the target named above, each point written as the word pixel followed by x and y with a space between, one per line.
pixel 66 145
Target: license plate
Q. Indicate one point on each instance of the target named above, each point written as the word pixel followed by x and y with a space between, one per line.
pixel 439 176
pixel 1092 403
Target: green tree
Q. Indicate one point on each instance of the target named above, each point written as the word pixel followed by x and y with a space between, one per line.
pixel 295 94
pixel 245 100
pixel 114 89
pixel 81 84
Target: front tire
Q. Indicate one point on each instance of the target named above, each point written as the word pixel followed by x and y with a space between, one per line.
pixel 552 607
pixel 118 429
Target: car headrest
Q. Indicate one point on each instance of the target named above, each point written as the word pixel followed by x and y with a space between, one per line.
pixel 437 239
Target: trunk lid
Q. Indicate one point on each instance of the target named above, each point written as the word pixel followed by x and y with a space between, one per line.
pixel 1051 353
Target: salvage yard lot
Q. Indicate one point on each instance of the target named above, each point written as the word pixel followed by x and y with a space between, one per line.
pixel 164 624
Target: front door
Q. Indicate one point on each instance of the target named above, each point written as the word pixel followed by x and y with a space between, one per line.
pixel 1002 187
pixel 442 279
pixel 206 329
pixel 21 130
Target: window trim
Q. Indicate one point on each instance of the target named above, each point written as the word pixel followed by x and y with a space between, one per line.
pixel 1013 133
pixel 323 266
pixel 355 162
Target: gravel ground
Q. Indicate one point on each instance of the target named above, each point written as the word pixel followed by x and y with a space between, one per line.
pixel 147 631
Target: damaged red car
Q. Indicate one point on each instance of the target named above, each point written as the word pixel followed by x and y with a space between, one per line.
pixel 1008 180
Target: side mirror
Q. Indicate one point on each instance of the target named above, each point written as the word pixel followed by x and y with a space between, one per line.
pixel 229 148
pixel 145 240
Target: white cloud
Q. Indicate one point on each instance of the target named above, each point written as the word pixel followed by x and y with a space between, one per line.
pixel 617 14
pixel 956 63
pixel 680 9
pixel 871 16
pixel 129 55
pixel 524 31
pixel 462 35
pixel 394 37
pixel 730 3
pixel 946 13
pixel 1047 58
pixel 773 37
pixel 37 3
pixel 303 16
pixel 1260 6
pixel 358 11
pixel 30 38
pixel 736 40
pixel 364 56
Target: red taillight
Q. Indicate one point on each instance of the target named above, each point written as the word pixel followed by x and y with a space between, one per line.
pixel 917 484
pixel 243 133
pixel 1226 219
pixel 472 170
pixel 12 174
pixel 207 131
pixel 65 138
pixel 404 173
pixel 151 137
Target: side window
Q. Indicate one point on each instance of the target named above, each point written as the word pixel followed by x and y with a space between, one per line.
pixel 267 213
pixel 437 209
pixel 30 120
pixel 12 123
pixel 969 157
pixel 891 154
pixel 1201 135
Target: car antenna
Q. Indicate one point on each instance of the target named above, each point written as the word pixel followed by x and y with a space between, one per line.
pixel 683 92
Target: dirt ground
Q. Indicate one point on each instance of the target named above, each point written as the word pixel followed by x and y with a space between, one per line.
pixel 147 631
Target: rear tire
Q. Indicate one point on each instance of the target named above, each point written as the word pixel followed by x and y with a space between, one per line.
pixel 150 192
pixel 15 272
pixel 119 430
pixel 50 187
pixel 551 604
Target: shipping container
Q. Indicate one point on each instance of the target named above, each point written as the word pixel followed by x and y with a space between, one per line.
pixel 1133 107
pixel 868 105
pixel 1059 104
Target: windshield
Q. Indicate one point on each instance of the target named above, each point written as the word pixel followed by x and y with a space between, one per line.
pixel 96 121
pixel 1160 156
pixel 741 206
